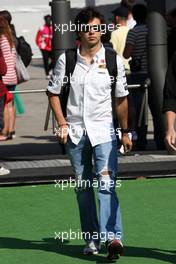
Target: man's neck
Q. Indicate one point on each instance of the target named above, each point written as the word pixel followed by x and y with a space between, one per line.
pixel 89 52
pixel 123 23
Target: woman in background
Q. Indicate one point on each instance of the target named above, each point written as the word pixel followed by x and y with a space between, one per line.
pixel 17 98
pixel 9 79
pixel 3 91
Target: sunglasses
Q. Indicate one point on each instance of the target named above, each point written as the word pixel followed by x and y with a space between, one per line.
pixel 88 28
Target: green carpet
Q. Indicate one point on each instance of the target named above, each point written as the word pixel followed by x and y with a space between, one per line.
pixel 31 215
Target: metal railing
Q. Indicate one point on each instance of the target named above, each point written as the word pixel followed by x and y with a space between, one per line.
pixel 143 109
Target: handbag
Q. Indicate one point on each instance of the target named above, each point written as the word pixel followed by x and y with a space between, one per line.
pixel 21 71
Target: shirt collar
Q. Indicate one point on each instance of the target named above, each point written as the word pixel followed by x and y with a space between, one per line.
pixel 96 58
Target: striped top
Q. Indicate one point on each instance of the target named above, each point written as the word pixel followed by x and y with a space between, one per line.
pixel 138 38
pixel 10 58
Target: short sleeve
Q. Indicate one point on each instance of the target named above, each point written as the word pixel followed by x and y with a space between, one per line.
pixel 56 82
pixel 121 83
pixel 131 37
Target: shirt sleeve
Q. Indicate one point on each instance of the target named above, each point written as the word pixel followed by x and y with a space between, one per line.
pixel 121 83
pixel 131 37
pixel 57 79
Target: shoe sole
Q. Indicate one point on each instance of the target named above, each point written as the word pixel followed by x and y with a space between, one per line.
pixel 90 253
pixel 114 250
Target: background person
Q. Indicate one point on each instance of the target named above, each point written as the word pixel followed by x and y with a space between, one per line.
pixel 136 48
pixel 131 22
pixel 3 90
pixel 18 104
pixel 118 36
pixel 9 79
pixel 44 42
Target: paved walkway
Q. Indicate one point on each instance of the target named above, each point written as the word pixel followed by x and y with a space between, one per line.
pixel 35 152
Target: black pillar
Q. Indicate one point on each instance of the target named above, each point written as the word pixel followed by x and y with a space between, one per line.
pixel 157 61
pixel 90 2
pixel 63 38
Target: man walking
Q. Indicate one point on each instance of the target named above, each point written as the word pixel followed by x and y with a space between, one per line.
pixel 88 132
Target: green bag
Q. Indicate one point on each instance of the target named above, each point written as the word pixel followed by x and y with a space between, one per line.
pixel 18 104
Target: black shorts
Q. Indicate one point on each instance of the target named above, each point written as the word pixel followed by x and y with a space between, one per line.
pixel 2 100
pixel 11 87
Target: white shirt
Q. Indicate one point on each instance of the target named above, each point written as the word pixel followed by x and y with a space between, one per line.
pixel 89 103
pixel 131 23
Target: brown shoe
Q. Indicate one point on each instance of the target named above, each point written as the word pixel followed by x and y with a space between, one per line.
pixel 114 248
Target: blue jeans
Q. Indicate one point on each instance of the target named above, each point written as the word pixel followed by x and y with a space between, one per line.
pixel 105 161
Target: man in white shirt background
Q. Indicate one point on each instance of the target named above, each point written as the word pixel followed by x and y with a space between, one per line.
pixel 88 132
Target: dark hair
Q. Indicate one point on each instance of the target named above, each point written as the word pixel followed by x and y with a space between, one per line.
pixel 47 17
pixel 6 31
pixel 88 14
pixel 172 13
pixel 6 14
pixel 139 13
pixel 125 4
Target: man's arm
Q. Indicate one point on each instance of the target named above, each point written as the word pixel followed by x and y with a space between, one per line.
pixel 62 132
pixel 121 93
pixel 53 91
pixel 122 114
pixel 169 92
pixel 169 104
pixel 122 111
pixel 170 138
pixel 130 44
pixel 56 107
pixel 128 51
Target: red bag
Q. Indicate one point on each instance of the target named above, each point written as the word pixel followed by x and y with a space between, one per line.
pixel 8 97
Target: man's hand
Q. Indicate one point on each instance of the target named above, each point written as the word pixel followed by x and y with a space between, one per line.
pixel 126 142
pixel 170 139
pixel 62 133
